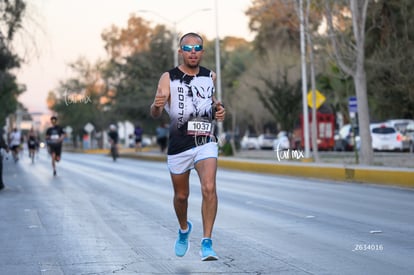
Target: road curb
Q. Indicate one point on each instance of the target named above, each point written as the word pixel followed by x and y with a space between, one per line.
pixel 370 174
pixel 386 176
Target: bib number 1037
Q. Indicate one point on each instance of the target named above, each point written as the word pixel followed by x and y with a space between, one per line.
pixel 198 128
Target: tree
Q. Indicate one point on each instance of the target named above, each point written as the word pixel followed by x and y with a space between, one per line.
pixel 124 42
pixel 131 73
pixel 236 55
pixel 11 13
pixel 9 90
pixel 338 87
pixel 276 24
pixel 276 51
pixel 351 59
pixel 132 81
pixel 280 96
pixel 78 100
pixel 390 59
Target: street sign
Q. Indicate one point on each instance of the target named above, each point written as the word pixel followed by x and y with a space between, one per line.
pixel 352 104
pixel 319 99
pixel 89 128
pixel 68 130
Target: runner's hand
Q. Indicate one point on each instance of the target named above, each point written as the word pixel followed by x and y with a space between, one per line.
pixel 160 98
pixel 220 111
pixel 159 101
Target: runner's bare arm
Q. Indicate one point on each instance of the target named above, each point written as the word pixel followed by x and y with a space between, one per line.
pixel 161 97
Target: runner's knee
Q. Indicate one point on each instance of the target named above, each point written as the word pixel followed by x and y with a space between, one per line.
pixel 208 187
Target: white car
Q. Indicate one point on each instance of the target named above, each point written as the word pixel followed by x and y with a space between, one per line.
pixel 385 138
pixel 281 142
pixel 249 142
pixel 266 141
pixel 409 133
pixel 401 126
pixel 344 139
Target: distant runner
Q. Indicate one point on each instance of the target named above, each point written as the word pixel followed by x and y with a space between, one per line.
pixel 54 139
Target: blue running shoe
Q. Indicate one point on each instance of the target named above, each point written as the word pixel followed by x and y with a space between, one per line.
pixel 182 244
pixel 207 253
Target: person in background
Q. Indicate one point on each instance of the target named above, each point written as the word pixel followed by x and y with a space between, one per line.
pixel 54 138
pixel 3 145
pixel 14 143
pixel 31 143
pixel 162 136
pixel 113 141
pixel 186 92
pixel 138 131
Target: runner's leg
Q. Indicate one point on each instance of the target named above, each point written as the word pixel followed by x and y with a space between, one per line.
pixel 206 170
pixel 181 187
pixel 53 161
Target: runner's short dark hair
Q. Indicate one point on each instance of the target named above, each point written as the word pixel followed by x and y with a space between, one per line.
pixel 191 34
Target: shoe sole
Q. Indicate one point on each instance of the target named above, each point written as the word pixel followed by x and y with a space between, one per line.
pixel 209 258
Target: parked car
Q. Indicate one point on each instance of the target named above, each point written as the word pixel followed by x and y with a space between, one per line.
pixel 401 126
pixel 409 133
pixel 249 142
pixel 281 142
pixel 344 140
pixel 265 141
pixel 385 137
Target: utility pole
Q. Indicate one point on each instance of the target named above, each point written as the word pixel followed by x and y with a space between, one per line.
pixel 218 67
pixel 304 81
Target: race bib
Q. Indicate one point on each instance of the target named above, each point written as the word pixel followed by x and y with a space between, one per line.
pixel 199 128
pixel 54 137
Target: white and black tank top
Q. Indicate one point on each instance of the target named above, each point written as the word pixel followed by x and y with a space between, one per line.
pixel 191 96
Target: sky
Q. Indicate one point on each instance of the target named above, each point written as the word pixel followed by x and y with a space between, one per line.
pixel 58 32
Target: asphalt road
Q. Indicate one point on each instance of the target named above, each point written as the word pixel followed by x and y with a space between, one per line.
pixel 101 217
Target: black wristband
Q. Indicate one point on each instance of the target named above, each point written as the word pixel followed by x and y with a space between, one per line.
pixel 220 104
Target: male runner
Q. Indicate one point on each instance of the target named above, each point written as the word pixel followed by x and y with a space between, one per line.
pixel 54 139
